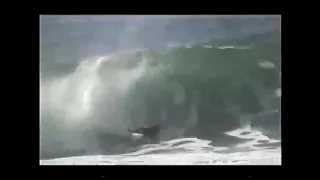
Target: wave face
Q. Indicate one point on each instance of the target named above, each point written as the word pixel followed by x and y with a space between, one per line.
pixel 199 90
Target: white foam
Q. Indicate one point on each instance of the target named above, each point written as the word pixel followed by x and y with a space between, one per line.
pixel 265 157
pixel 266 64
pixel 231 47
pixel 193 151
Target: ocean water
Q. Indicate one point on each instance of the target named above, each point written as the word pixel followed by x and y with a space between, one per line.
pixel 212 82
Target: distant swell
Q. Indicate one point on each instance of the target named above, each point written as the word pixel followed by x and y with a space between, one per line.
pixel 195 91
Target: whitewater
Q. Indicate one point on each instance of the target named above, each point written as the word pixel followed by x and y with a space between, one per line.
pixel 188 151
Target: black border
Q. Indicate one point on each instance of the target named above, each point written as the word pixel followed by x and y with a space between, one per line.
pixel 164 172
pixel 30 127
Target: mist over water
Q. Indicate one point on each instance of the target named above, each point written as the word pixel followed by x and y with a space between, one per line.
pixel 100 76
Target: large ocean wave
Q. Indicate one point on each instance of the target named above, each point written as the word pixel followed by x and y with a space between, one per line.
pixel 197 90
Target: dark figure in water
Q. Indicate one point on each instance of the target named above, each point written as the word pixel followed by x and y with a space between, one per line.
pixel 150 133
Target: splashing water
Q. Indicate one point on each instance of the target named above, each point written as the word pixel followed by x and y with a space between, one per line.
pixel 72 102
